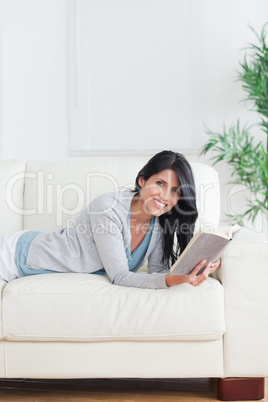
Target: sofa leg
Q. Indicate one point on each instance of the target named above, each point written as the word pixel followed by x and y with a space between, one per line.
pixel 240 389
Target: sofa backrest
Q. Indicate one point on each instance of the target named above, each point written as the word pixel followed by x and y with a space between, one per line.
pixel 43 195
pixel 11 195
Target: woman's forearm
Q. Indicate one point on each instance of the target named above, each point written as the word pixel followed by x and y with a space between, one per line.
pixel 193 278
pixel 172 280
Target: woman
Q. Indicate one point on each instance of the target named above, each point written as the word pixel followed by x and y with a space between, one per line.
pixel 118 232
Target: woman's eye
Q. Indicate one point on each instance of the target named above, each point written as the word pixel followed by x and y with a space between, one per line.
pixel 159 183
pixel 177 192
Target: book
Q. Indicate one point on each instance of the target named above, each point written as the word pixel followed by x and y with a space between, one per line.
pixel 205 245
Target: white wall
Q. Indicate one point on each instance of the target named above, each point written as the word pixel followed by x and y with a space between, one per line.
pixel 34 74
pixel 34 80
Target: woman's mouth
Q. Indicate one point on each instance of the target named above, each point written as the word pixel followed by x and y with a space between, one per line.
pixel 159 204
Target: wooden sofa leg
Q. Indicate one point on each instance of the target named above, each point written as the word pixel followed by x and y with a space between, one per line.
pixel 240 389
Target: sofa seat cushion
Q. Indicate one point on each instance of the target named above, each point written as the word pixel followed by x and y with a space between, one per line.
pixel 86 307
pixel 2 286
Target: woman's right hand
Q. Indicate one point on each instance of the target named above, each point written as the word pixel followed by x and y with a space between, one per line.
pixel 196 280
pixel 192 278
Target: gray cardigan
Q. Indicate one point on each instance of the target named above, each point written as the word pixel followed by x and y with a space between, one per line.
pixel 98 239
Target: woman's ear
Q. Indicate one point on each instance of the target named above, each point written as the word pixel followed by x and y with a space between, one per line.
pixel 141 181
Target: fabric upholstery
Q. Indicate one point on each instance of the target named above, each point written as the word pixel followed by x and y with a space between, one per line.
pixel 2 286
pixel 120 359
pixel 84 307
pixel 245 280
pixel 11 195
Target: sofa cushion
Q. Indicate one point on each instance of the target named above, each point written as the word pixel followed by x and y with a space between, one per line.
pixel 2 285
pixel 12 175
pixel 83 307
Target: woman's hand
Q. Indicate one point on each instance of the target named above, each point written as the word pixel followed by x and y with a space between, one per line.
pixel 196 280
pixel 215 265
pixel 193 279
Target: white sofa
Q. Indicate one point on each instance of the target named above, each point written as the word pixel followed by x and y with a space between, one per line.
pixel 81 326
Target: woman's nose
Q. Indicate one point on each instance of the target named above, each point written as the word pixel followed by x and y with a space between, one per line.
pixel 164 194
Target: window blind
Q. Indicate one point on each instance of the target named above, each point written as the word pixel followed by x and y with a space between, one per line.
pixel 136 80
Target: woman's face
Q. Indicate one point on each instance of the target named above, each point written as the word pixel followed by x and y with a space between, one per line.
pixel 160 192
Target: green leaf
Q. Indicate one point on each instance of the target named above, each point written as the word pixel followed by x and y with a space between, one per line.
pixel 236 145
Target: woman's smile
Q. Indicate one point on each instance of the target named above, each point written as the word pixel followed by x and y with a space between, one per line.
pixel 158 194
pixel 159 204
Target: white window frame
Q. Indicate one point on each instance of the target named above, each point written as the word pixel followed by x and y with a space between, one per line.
pixel 135 111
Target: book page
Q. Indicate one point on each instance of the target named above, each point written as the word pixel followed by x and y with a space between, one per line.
pixel 233 231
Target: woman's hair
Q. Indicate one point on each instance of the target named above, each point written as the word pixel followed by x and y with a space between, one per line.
pixel 180 220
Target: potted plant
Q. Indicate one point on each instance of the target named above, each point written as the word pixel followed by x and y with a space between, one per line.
pixel 236 145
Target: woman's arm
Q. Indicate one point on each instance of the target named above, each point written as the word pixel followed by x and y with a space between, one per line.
pixel 107 231
pixel 155 264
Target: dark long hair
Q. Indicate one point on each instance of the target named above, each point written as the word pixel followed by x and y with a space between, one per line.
pixel 180 220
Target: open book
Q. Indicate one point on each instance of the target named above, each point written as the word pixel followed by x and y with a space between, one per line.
pixel 205 245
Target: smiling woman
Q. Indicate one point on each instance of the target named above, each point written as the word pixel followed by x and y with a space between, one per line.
pixel 161 190
pixel 165 188
pixel 117 232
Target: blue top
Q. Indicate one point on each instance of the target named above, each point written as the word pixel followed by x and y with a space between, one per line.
pixel 21 253
pixel 139 252
pixel 24 241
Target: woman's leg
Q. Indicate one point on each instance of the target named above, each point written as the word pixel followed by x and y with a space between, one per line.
pixel 8 267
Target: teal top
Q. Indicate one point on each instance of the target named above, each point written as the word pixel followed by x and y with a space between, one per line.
pixel 21 253
pixel 139 252
pixel 24 241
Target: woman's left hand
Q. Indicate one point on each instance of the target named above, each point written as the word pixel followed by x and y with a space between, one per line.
pixel 214 266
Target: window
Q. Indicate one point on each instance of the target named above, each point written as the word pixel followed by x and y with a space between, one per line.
pixel 135 75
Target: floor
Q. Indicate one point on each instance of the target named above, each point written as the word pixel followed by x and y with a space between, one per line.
pixel 123 390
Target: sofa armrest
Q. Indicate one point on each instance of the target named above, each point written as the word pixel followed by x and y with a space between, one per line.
pixel 244 275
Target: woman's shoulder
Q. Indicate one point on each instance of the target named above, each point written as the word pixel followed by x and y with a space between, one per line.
pixel 112 200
